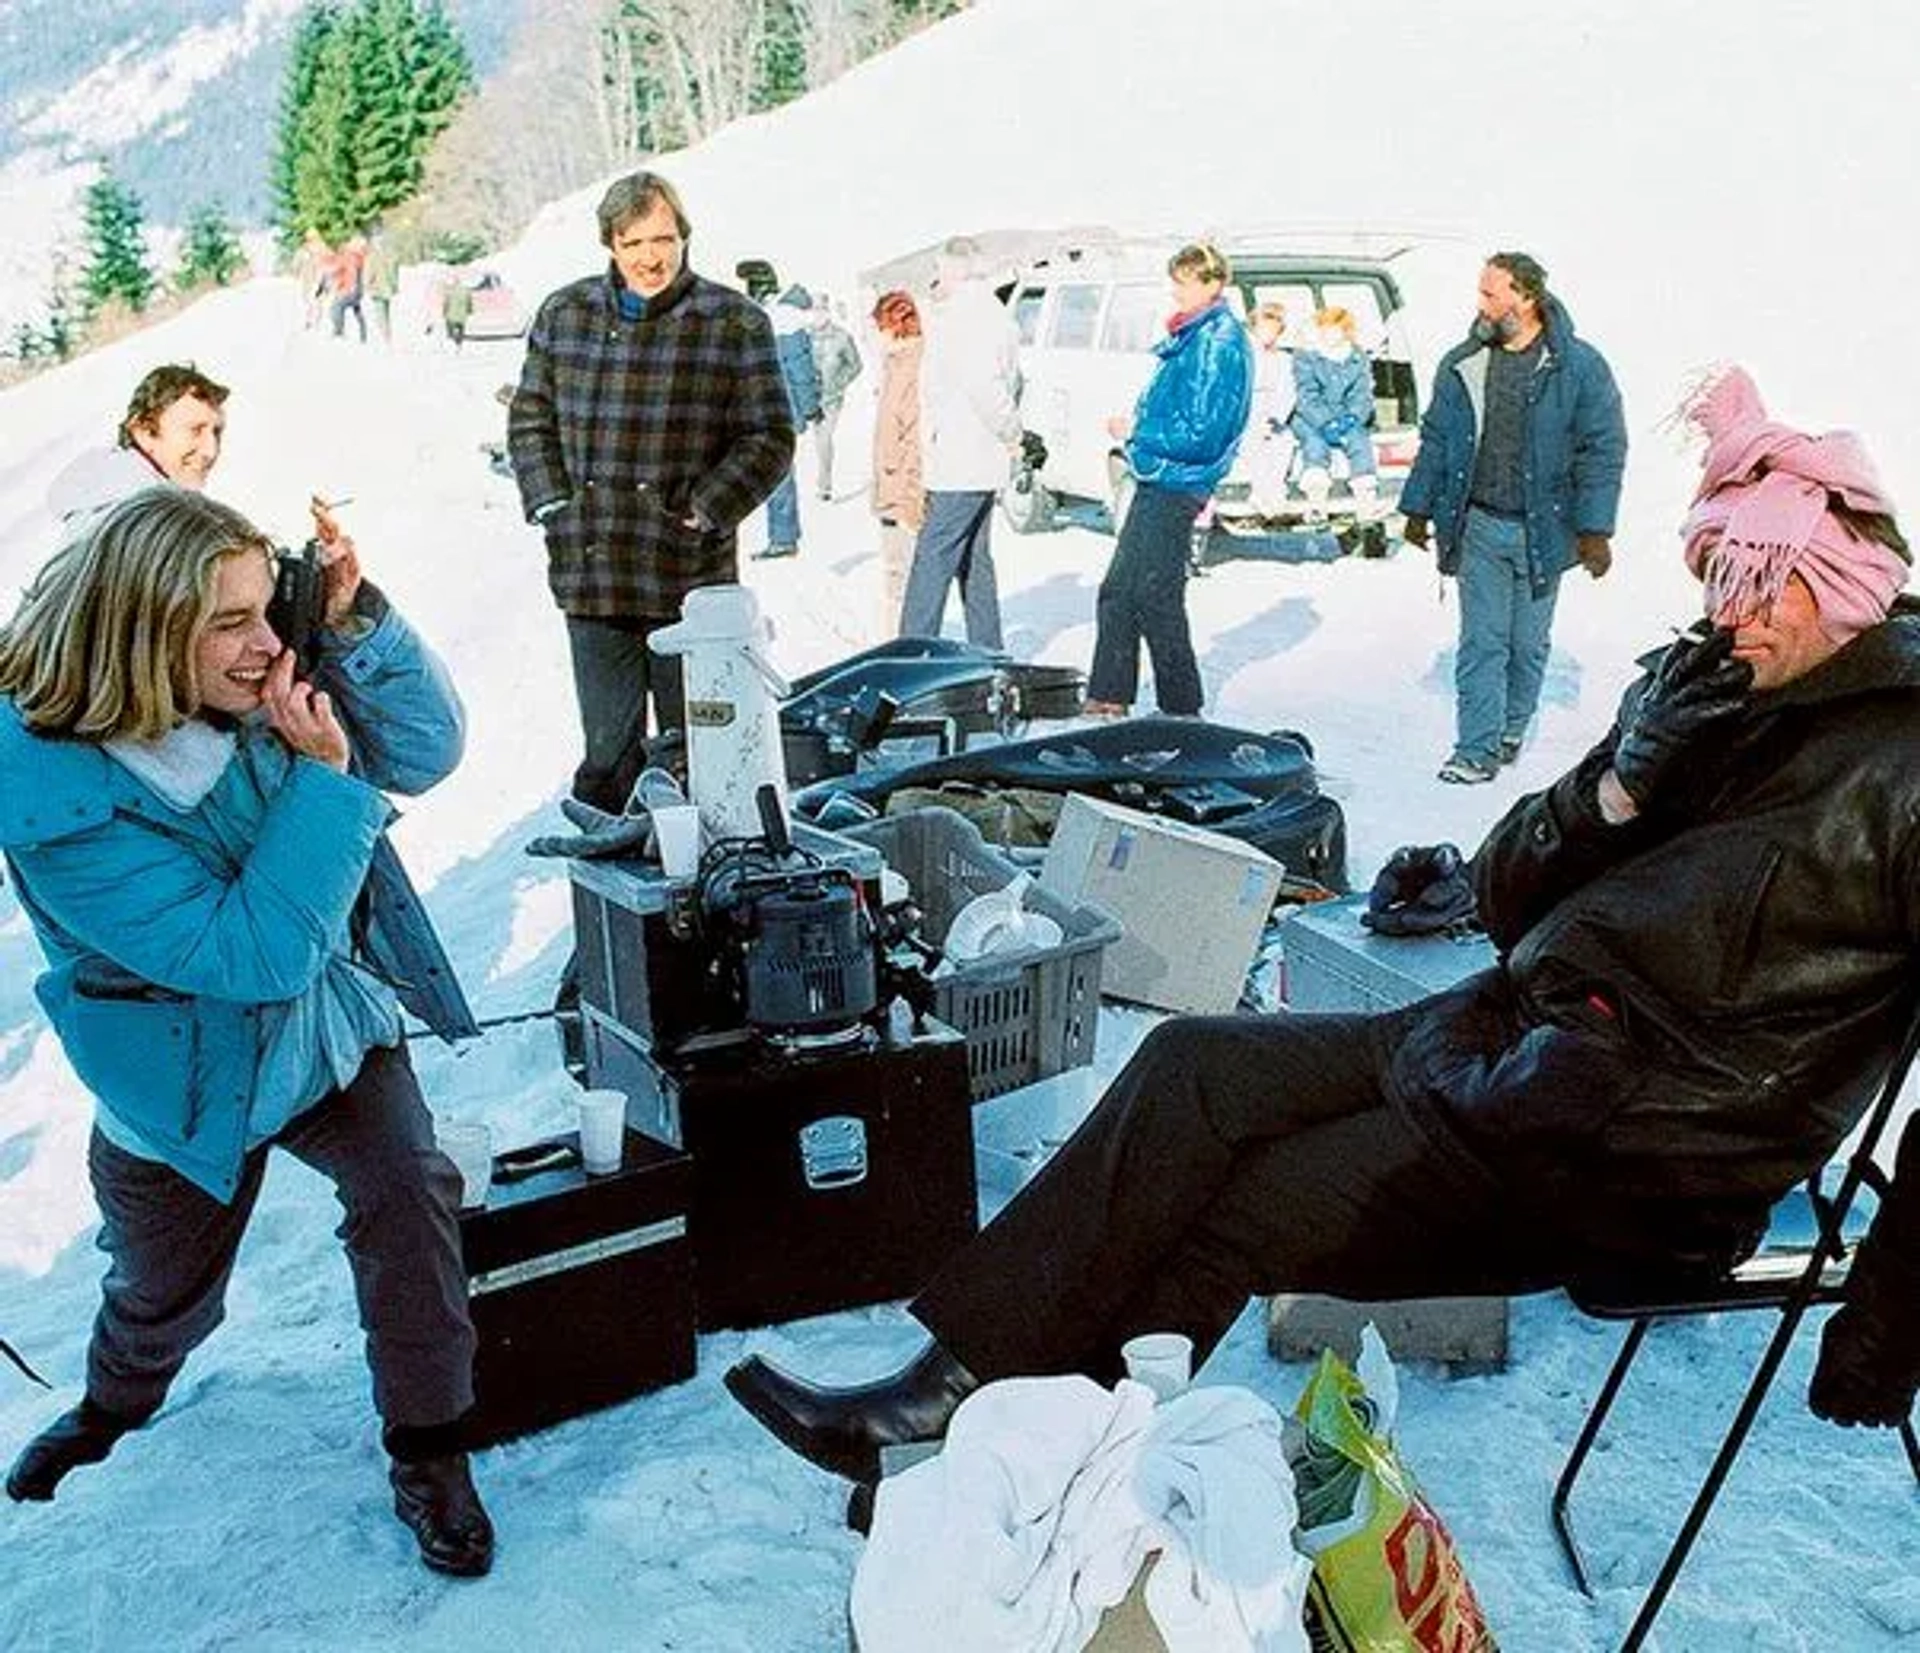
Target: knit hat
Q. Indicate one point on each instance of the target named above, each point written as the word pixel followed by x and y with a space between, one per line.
pixel 1764 511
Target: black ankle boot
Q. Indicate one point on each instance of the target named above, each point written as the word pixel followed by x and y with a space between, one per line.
pixel 83 1436
pixel 434 1495
pixel 843 1430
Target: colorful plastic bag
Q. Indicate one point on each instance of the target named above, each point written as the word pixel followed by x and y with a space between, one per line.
pixel 1386 1575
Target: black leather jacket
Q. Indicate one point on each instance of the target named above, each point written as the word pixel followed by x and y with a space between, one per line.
pixel 1693 1008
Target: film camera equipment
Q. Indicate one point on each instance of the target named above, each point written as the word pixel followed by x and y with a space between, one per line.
pixel 299 605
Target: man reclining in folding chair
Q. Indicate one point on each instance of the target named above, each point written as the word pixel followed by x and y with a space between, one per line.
pixel 1709 933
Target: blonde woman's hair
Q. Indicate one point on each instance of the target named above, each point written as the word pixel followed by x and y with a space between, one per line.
pixel 1201 259
pixel 1338 317
pixel 102 644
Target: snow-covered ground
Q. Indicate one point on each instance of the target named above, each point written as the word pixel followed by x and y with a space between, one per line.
pixel 1704 180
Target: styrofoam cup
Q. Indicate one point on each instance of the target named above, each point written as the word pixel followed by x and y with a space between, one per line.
pixel 1163 1361
pixel 676 830
pixel 603 1123
pixel 469 1144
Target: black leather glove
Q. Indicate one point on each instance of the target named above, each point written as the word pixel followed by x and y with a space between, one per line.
pixel 1421 890
pixel 1697 689
pixel 1414 531
pixel 1860 1377
pixel 602 837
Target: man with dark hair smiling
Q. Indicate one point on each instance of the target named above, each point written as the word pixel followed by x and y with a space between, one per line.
pixel 650 418
pixel 174 425
pixel 176 420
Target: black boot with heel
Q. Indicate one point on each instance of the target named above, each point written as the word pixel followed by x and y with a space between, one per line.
pixel 843 1430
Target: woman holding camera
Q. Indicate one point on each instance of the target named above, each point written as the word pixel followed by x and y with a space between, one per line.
pixel 197 838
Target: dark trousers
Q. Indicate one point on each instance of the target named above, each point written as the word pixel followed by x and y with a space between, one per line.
pixel 613 674
pixel 172 1247
pixel 954 543
pixel 1232 1156
pixel 1144 599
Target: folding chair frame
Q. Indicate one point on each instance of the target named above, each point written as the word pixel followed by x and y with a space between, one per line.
pixel 1756 1284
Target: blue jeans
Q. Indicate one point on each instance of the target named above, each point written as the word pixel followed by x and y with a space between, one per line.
pixel 1316 450
pixel 1143 599
pixel 783 512
pixel 955 542
pixel 1505 632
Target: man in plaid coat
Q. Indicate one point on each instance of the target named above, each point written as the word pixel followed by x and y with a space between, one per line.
pixel 650 418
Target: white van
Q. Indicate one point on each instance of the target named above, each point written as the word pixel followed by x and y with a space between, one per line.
pixel 1089 315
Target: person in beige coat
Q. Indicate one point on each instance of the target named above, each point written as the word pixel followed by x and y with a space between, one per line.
pixel 899 493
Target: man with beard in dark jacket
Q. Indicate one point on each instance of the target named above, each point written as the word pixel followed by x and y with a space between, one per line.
pixel 1707 935
pixel 650 418
pixel 1522 448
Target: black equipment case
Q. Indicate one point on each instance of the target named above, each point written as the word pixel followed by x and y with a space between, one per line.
pixel 823 1178
pixel 581 1288
pixel 1259 788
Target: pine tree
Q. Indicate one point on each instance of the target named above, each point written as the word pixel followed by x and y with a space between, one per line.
pixel 117 266
pixel 783 62
pixel 210 254
pixel 295 191
pixel 368 88
pixel 57 333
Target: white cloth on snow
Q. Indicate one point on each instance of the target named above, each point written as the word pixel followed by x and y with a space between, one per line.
pixel 1048 1496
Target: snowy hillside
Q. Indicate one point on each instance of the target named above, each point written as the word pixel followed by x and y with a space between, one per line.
pixel 181 101
pixel 1695 176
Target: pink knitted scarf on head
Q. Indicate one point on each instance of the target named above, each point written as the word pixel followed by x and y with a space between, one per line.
pixel 1763 512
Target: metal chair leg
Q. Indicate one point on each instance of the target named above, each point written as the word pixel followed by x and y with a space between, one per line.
pixel 1735 1439
pixel 1596 1416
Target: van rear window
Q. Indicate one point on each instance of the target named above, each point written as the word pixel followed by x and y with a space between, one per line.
pixel 1076 312
pixel 1136 317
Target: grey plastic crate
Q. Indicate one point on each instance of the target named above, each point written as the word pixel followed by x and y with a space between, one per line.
pixel 1025 1016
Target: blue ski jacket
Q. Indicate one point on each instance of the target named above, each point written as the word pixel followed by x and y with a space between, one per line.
pixel 1576 449
pixel 1188 422
pixel 213 968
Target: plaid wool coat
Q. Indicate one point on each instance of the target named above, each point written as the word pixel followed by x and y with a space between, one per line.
pixel 635 426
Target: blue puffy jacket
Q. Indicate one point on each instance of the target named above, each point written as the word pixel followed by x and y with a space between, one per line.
pixel 1188 421
pixel 202 966
pixel 1332 397
pixel 1576 449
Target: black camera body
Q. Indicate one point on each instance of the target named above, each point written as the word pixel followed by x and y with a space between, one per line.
pixel 299 605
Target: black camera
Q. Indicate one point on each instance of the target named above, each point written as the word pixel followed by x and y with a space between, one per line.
pixel 299 605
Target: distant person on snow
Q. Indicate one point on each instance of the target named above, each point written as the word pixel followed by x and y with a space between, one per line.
pixel 197 838
pixel 1180 441
pixel 310 268
pixel 792 317
pixel 1333 412
pixel 1709 933
pixel 1267 453
pixel 1522 449
pixel 383 282
pixel 899 491
pixel 346 284
pixel 174 425
pixel 836 359
pixel 969 439
pixel 456 308
pixel 650 418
